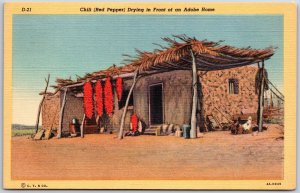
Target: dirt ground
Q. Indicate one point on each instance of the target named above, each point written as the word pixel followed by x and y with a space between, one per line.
pixel 218 155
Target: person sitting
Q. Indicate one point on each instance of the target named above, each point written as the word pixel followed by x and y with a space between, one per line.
pixel 133 126
pixel 247 126
pixel 235 127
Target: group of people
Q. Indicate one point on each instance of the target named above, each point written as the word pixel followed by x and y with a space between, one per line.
pixel 239 128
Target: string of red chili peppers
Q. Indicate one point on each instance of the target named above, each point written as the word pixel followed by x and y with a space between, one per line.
pixel 99 98
pixel 88 99
pixel 108 97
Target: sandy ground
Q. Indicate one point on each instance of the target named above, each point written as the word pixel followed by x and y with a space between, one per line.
pixel 218 155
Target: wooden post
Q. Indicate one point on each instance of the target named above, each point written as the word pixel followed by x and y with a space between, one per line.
pixel 271 99
pixel 82 126
pixel 120 136
pixel 40 105
pixel 61 113
pixel 261 98
pixel 193 133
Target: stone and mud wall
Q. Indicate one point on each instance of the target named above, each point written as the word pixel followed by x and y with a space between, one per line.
pixel 50 111
pixel 177 99
pixel 217 100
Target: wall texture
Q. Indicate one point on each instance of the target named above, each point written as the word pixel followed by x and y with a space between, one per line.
pixel 50 112
pixel 215 98
pixel 177 98
pixel 215 88
pixel 113 123
pixel 73 109
pixel 177 94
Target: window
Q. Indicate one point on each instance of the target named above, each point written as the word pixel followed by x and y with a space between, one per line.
pixel 233 86
pixel 122 102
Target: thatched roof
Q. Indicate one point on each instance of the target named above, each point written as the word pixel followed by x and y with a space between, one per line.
pixel 177 56
pixel 111 71
pixel 209 55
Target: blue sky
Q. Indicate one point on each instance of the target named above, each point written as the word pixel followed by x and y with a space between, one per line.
pixel 65 45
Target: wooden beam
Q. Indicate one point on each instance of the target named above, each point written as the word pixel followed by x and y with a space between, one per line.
pixel 177 66
pixel 230 121
pixel 82 126
pixel 222 58
pixel 261 98
pixel 41 104
pixel 208 66
pixel 61 114
pixel 153 67
pixel 269 82
pixel 203 66
pixel 271 99
pixel 120 136
pixel 127 75
pixel 214 66
pixel 279 97
pixel 193 133
pixel 230 57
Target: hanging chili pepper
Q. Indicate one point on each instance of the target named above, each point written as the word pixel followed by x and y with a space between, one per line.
pixel 88 99
pixel 119 87
pixel 99 98
pixel 108 97
pixel 134 122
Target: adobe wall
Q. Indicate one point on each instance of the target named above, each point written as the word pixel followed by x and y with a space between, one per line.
pixel 216 93
pixel 50 112
pixel 176 96
pixel 115 120
pixel 73 108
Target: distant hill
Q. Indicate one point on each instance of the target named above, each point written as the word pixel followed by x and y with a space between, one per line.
pixel 21 126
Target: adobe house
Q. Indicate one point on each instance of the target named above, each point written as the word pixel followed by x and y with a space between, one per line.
pixel 180 84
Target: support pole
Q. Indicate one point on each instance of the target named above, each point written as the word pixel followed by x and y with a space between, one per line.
pixel 193 133
pixel 120 136
pixel 41 104
pixel 82 126
pixel 271 100
pixel 61 114
pixel 261 98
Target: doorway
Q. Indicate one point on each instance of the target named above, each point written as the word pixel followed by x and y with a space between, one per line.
pixel 156 104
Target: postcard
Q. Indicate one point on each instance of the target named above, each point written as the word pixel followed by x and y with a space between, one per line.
pixel 150 96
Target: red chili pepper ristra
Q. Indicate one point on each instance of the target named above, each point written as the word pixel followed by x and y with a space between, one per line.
pixel 108 97
pixel 99 98
pixel 119 87
pixel 88 99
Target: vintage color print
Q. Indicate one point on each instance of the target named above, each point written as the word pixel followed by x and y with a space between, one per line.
pixel 150 96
